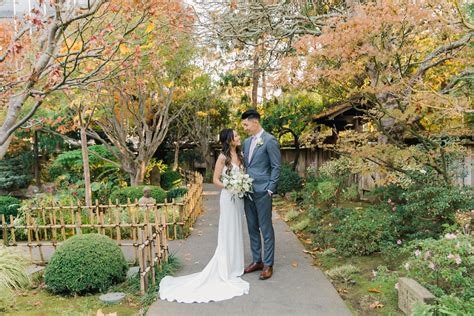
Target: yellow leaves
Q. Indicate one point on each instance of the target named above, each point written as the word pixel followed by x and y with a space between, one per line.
pixel 201 114
pixel 150 27
pixel 294 264
pixel 71 47
pixel 124 50
pixel 168 84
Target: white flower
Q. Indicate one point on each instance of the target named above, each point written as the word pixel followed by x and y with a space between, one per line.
pixel 423 171
pixel 259 142
pixel 238 183
pixel 417 253
pixel 432 266
pixel 457 259
pixel 450 236
pixel 407 266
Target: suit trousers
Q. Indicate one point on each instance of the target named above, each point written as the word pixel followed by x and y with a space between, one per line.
pixel 258 212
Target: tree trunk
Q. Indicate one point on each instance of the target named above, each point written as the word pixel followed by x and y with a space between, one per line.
pixel 255 78
pixel 138 177
pixel 176 156
pixel 264 87
pixel 85 161
pixel 37 162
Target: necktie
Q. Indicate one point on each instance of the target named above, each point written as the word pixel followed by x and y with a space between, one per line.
pixel 252 147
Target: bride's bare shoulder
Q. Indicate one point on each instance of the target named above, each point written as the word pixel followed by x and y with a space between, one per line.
pixel 220 159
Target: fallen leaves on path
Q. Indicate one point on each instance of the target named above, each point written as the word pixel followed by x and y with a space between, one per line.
pixel 37 303
pixel 294 263
pixel 374 290
pixel 376 304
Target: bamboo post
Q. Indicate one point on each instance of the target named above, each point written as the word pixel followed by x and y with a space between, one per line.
pixel 174 219
pixel 38 244
pixel 5 230
pixel 61 219
pixel 164 238
pixel 91 217
pixel 134 228
pixel 43 215
pixel 12 230
pixel 79 219
pixel 117 226
pixel 157 237
pixel 100 218
pixel 142 266
pixel 28 233
pixel 149 246
pixel 72 217
pixel 52 221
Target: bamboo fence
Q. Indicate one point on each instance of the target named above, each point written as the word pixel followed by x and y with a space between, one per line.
pixel 145 227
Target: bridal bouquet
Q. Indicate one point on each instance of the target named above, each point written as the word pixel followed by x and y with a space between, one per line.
pixel 238 182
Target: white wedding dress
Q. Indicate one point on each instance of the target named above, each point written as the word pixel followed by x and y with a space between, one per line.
pixel 220 280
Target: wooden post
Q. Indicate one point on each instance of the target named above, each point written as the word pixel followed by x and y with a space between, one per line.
pixel 61 219
pixel 28 229
pixel 5 230
pixel 43 215
pixel 12 230
pixel 53 229
pixel 73 215
pixel 79 219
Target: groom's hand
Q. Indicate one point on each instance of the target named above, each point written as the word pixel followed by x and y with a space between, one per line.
pixel 270 192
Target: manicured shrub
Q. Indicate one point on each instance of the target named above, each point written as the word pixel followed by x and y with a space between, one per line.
pixel 170 179
pixel 9 205
pixel 85 264
pixel 176 193
pixel 363 232
pixel 289 180
pixel 136 192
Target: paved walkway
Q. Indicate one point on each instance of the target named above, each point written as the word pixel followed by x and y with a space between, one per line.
pixel 296 288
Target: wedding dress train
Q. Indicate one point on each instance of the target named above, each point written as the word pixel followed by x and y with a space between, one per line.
pixel 220 280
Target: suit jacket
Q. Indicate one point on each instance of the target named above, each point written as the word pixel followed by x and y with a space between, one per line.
pixel 265 165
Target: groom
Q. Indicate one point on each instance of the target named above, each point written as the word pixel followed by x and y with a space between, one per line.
pixel 262 161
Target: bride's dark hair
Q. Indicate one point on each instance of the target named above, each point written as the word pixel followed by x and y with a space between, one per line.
pixel 226 137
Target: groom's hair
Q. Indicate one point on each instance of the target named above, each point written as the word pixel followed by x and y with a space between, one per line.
pixel 251 114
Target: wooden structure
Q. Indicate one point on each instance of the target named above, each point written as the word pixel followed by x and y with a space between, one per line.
pixel 146 228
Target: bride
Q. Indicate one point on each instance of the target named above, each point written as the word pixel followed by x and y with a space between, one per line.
pixel 220 279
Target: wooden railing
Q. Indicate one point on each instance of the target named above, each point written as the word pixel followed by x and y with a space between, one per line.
pixel 145 228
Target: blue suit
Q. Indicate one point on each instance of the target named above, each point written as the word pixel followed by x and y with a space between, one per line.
pixel 264 168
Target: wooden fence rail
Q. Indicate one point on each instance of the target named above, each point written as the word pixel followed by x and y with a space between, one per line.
pixel 145 227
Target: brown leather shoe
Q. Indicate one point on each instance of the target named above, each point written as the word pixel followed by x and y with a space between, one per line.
pixel 254 266
pixel 266 273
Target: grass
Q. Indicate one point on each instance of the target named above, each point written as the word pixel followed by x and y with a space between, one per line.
pixel 38 301
pixel 365 284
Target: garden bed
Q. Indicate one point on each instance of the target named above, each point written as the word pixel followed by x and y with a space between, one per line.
pixel 366 288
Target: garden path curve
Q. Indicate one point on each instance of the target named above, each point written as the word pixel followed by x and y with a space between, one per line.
pixel 296 288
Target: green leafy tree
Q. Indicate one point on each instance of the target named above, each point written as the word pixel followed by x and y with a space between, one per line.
pixel 292 114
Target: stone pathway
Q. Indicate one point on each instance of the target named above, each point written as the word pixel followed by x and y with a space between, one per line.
pixel 296 288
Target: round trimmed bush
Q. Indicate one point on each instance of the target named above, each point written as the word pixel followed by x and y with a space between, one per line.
pixel 170 179
pixel 85 264
pixel 136 192
pixel 9 205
